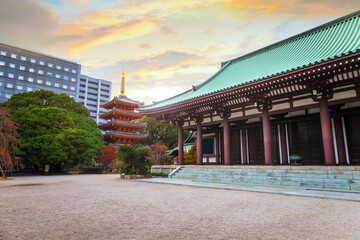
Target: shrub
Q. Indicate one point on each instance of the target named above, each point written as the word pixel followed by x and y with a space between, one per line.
pixel 133 160
pixel 159 174
pixel 107 155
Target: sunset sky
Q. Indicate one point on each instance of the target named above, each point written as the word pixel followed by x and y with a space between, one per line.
pixel 165 45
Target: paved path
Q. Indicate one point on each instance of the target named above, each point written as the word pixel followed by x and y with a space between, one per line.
pixel 105 207
pixel 340 195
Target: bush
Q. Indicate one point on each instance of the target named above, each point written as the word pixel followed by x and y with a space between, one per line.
pixel 133 160
pixel 159 174
pixel 107 155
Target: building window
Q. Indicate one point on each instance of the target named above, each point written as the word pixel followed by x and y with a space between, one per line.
pixel 9 85
pixel 8 95
pixel 31 70
pixel 72 96
pixel 32 60
pixel 57 85
pixel 66 78
pixel 22 68
pixel 39 81
pixel 12 65
pixel 19 87
pixel 11 75
pixel 48 83
pixel 73 79
pixel 30 79
pixel 72 88
pixel 3 53
pixel 66 69
pixel 21 77
pixel 41 72
pixel 23 58
pixel 64 86
pixel 29 89
pixel 50 65
pixel 73 70
pixel 1 73
pixel 41 63
pixel 57 76
pixel 2 63
pixel 13 55
pixel 58 67
pixel 49 74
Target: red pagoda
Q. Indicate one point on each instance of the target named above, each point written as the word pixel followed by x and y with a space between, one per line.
pixel 121 127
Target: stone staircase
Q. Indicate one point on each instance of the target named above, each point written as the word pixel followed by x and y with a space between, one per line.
pixel 339 178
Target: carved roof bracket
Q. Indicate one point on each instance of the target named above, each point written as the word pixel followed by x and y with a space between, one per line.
pixel 322 92
pixel 261 101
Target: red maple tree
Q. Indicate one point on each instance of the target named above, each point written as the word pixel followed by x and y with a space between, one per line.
pixel 107 155
pixel 8 141
pixel 159 154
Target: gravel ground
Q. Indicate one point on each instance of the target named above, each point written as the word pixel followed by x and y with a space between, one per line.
pixel 105 207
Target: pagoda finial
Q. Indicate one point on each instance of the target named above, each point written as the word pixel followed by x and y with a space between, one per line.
pixel 123 84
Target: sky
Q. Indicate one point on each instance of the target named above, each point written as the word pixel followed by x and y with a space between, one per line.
pixel 165 46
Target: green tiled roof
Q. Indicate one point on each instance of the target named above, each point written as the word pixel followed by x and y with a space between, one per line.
pixel 326 42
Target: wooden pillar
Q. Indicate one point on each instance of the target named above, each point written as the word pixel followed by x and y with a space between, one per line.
pixel 180 144
pixel 244 147
pixel 340 140
pixel 267 136
pixel 199 155
pixel 226 141
pixel 283 144
pixel 326 132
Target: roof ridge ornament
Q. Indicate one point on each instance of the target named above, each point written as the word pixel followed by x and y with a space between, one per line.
pixel 123 84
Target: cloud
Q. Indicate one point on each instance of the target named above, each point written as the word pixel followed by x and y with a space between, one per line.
pixel 112 32
pixel 20 20
pixel 144 45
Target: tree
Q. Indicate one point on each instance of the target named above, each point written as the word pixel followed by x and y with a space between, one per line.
pixel 44 98
pixel 8 141
pixel 107 155
pixel 190 156
pixel 158 154
pixel 159 132
pixel 54 129
pixel 133 160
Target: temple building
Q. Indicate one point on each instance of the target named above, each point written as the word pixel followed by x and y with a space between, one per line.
pixel 121 127
pixel 299 96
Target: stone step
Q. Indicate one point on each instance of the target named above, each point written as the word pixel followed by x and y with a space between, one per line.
pixel 269 174
pixel 307 178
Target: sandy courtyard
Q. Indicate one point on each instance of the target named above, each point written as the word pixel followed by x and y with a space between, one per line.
pixel 105 207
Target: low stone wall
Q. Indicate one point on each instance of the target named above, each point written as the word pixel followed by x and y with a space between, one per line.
pixel 163 168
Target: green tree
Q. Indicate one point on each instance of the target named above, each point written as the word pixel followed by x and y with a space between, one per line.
pixel 133 160
pixel 54 133
pixel 158 132
pixel 44 98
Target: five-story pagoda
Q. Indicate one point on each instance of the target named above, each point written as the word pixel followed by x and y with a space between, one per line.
pixel 121 127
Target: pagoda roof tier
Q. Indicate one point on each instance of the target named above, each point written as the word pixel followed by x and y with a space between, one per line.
pixel 325 43
pixel 117 136
pixel 118 124
pixel 114 113
pixel 121 101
